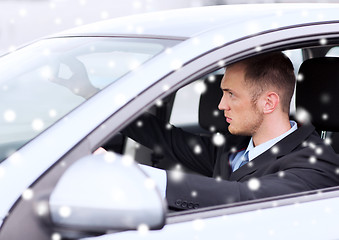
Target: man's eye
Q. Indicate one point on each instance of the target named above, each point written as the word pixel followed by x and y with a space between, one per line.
pixel 230 94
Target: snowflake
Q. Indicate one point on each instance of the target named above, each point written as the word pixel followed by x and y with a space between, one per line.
pixel 303 116
pixel 9 116
pixel 168 51
pixel 23 12
pixel 111 64
pixel 233 149
pixel 212 128
pixel 258 48
pixel 57 21
pixel 198 224
pixel 275 150
pixel 312 145
pixel 165 87
pixel 218 40
pixel 194 193
pixel 143 229
pixel 42 208
pixel 28 194
pixel 325 98
pixel 78 21
pixel 127 160
pixel 159 103
pixel 65 211
pixel 313 160
pixel 134 64
pixel 324 116
pixel 328 141
pixel 200 87
pixel 305 13
pixel 56 236
pixel 211 78
pixel 120 99
pixel 118 195
pixel 137 4
pixel 252 27
pixel 218 139
pixel 104 15
pixel 47 52
pixel 46 72
pixel 139 123
pixel 216 113
pixel 281 174
pixel 328 210
pixel 196 41
pixel 176 64
pixel 109 157
pixel 271 232
pixel 16 159
pixel 82 2
pixel 177 174
pixel 318 150
pixel 300 77
pixel 52 113
pixel 149 183
pixel 197 149
pixel 253 184
pixel 221 63
pixel 279 13
pixel 296 223
pixel 37 124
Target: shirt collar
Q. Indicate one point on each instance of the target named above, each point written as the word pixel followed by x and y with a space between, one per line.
pixel 253 152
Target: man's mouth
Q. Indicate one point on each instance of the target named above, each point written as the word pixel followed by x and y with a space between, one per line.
pixel 228 119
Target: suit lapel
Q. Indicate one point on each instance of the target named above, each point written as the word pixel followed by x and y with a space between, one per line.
pixel 282 148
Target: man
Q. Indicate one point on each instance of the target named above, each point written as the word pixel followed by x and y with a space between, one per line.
pixel 278 157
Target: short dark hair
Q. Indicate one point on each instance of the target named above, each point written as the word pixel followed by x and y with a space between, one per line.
pixel 271 70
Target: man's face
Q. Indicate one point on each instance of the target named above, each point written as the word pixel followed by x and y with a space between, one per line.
pixel 242 114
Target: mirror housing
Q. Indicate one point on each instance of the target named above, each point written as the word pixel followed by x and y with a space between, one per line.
pixel 104 192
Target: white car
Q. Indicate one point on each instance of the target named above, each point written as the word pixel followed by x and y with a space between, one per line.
pixel 64 96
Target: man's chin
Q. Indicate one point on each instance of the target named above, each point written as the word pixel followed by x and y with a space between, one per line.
pixel 237 132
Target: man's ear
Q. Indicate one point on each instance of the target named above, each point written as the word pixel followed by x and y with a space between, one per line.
pixel 271 102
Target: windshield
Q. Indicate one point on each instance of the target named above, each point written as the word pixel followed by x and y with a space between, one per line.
pixel 42 82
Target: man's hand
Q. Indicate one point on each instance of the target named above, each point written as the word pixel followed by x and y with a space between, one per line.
pixel 100 150
pixel 78 82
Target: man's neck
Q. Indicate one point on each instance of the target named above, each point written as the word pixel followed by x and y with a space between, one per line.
pixel 270 129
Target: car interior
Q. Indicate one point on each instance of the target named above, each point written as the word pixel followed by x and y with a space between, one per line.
pixel 317 98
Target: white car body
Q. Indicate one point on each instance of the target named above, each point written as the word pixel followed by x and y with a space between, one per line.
pixel 207 37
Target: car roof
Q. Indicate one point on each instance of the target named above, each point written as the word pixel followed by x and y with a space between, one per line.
pixel 189 22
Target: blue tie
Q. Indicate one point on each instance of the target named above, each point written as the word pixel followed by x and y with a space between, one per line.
pixel 240 162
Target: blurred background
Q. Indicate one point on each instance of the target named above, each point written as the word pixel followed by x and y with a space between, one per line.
pixel 22 21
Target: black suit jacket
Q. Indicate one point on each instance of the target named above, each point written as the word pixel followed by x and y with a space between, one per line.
pixel 301 161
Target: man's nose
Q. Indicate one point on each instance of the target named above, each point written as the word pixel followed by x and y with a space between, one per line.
pixel 223 104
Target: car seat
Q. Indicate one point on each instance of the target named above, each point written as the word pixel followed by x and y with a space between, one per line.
pixel 317 96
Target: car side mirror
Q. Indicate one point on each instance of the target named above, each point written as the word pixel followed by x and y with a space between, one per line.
pixel 105 192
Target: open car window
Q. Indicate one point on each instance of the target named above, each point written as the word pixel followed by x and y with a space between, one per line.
pixel 181 109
